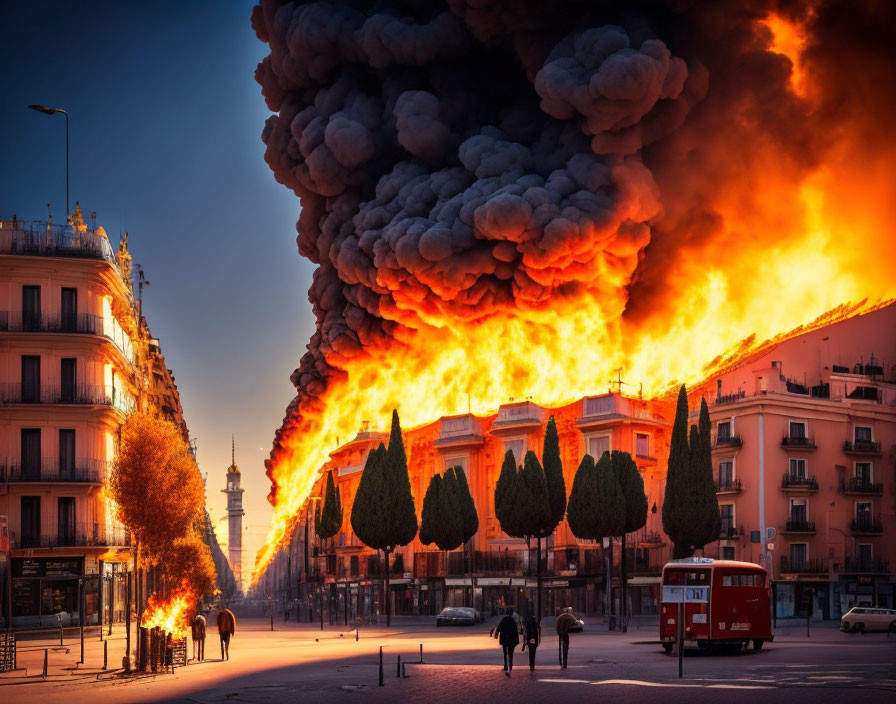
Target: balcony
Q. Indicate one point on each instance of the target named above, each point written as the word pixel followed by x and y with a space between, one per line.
pixel 728 533
pixel 729 398
pixel 728 486
pixel 798 442
pixel 861 447
pixel 814 566
pixel 856 565
pixel 517 415
pixel 727 441
pixel 804 527
pixel 867 525
pixel 793 482
pixel 79 535
pixel 854 485
pixel 599 411
pixel 47 240
pixel 85 471
pixel 459 431
pixel 76 394
pixel 81 323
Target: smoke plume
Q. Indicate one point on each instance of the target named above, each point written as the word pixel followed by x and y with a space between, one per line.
pixel 462 160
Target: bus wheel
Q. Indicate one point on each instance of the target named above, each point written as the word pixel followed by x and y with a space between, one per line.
pixel 757 644
pixel 667 647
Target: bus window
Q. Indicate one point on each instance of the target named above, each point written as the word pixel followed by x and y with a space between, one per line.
pixel 743 580
pixel 674 577
pixel 698 578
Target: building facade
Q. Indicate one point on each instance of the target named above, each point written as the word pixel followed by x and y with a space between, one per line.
pixel 804 448
pixel 75 359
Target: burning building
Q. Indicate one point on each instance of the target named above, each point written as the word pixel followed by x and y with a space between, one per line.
pixel 520 198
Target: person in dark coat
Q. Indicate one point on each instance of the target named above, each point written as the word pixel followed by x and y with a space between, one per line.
pixel 226 629
pixel 508 636
pixel 533 639
pixel 198 633
pixel 565 621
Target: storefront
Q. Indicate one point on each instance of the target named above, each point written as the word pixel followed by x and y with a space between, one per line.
pixel 861 590
pixel 50 591
pixel 801 598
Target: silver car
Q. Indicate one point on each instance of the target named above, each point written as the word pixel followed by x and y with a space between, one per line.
pixel 860 619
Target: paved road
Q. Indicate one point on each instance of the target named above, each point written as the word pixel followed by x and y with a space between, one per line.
pixel 302 664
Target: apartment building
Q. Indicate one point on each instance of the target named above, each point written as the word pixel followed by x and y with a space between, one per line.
pixel 74 360
pixel 804 449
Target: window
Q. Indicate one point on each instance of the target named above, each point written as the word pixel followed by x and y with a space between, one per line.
pixel 798 469
pixel 727 552
pixel 798 555
pixel 66 520
pixel 642 445
pixel 798 429
pixel 726 473
pixel 865 553
pixel 30 521
pixel 30 308
pixel 30 379
pixel 31 452
pixel 458 462
pixel 726 511
pixel 863 474
pixel 598 445
pixel 798 510
pixel 517 447
pixel 67 374
pixel 66 454
pixel 69 317
pixel 863 512
pixel 863 434
pixel 723 432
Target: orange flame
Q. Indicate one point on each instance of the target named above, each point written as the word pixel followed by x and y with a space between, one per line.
pixel 171 615
pixel 799 247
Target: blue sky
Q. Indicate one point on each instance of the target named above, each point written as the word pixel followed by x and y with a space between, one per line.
pixel 165 143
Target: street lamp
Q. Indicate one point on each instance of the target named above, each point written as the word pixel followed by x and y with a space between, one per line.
pixel 52 111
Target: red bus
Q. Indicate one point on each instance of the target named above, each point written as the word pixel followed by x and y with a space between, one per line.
pixel 725 603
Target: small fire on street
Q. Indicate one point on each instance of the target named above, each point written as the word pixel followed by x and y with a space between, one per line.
pixel 171 615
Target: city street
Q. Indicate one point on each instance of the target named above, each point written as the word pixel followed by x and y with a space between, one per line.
pixel 299 663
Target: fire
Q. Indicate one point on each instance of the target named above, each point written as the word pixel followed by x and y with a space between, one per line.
pixel 796 235
pixel 789 39
pixel 171 615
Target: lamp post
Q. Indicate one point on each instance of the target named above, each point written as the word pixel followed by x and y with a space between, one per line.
pixel 52 111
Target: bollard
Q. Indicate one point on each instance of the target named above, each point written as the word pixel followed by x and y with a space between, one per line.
pixel 421 652
pixel 381 666
pixel 61 634
pixel 398 667
pixel 105 654
pixel 46 657
pixel 403 673
pixel 357 631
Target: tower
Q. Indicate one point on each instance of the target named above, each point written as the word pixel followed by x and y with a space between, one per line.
pixel 235 515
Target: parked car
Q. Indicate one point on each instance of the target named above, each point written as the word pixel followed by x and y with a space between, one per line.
pixel 457 616
pixel 860 619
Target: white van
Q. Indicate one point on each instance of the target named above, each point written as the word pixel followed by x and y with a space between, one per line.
pixel 860 619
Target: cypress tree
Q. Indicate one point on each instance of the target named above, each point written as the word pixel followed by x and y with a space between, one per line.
pixel 451 533
pixel 631 484
pixel 468 511
pixel 506 490
pixel 708 521
pixel 330 517
pixel 677 512
pixel 429 515
pixel 367 510
pixel 534 510
pixel 553 472
pixel 583 520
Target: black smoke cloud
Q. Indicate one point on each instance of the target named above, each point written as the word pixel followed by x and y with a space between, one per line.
pixel 459 157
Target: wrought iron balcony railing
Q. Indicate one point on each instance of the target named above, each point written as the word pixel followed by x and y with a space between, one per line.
pixel 862 447
pixel 871 524
pixel 855 485
pixel 82 323
pixel 727 486
pixel 857 564
pixel 798 442
pixel 74 535
pixel 84 471
pixel 728 441
pixel 85 394
pixel 800 527
pixel 813 566
pixel 795 481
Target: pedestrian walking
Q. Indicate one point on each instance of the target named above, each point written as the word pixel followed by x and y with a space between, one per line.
pixel 508 636
pixel 198 633
pixel 532 639
pixel 565 621
pixel 226 629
